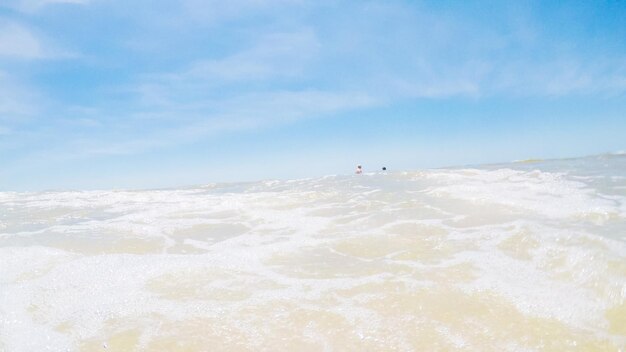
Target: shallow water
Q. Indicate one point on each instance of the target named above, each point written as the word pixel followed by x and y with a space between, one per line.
pixel 527 256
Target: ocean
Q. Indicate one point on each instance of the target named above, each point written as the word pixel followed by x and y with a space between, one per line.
pixel 521 256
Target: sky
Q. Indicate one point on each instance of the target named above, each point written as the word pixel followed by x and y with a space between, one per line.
pixel 101 94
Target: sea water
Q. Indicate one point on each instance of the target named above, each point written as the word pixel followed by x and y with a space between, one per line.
pixel 526 256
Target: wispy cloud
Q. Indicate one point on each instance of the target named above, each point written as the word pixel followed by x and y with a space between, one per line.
pixel 213 11
pixel 164 74
pixel 433 55
pixel 561 76
pixel 279 77
pixel 274 55
pixel 30 6
pixel 240 113
pixel 17 41
pixel 16 101
pixel 274 58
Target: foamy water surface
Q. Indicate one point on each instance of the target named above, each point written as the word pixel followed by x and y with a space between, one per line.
pixel 527 256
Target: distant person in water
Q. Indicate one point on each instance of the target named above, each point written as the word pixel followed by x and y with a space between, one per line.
pixel 359 170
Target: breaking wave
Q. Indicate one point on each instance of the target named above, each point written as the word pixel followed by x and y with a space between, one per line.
pixel 521 256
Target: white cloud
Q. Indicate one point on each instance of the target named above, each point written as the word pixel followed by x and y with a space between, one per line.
pixel 296 70
pixel 212 11
pixel 557 76
pixel 30 6
pixel 18 42
pixel 16 101
pixel 255 110
pixel 287 106
pixel 4 130
pixel 426 54
pixel 276 54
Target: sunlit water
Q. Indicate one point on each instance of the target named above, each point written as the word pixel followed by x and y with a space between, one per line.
pixel 527 256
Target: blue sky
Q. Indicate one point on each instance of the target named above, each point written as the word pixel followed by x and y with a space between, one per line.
pixel 148 93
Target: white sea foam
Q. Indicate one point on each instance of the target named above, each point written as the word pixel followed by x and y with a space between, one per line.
pixel 413 260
